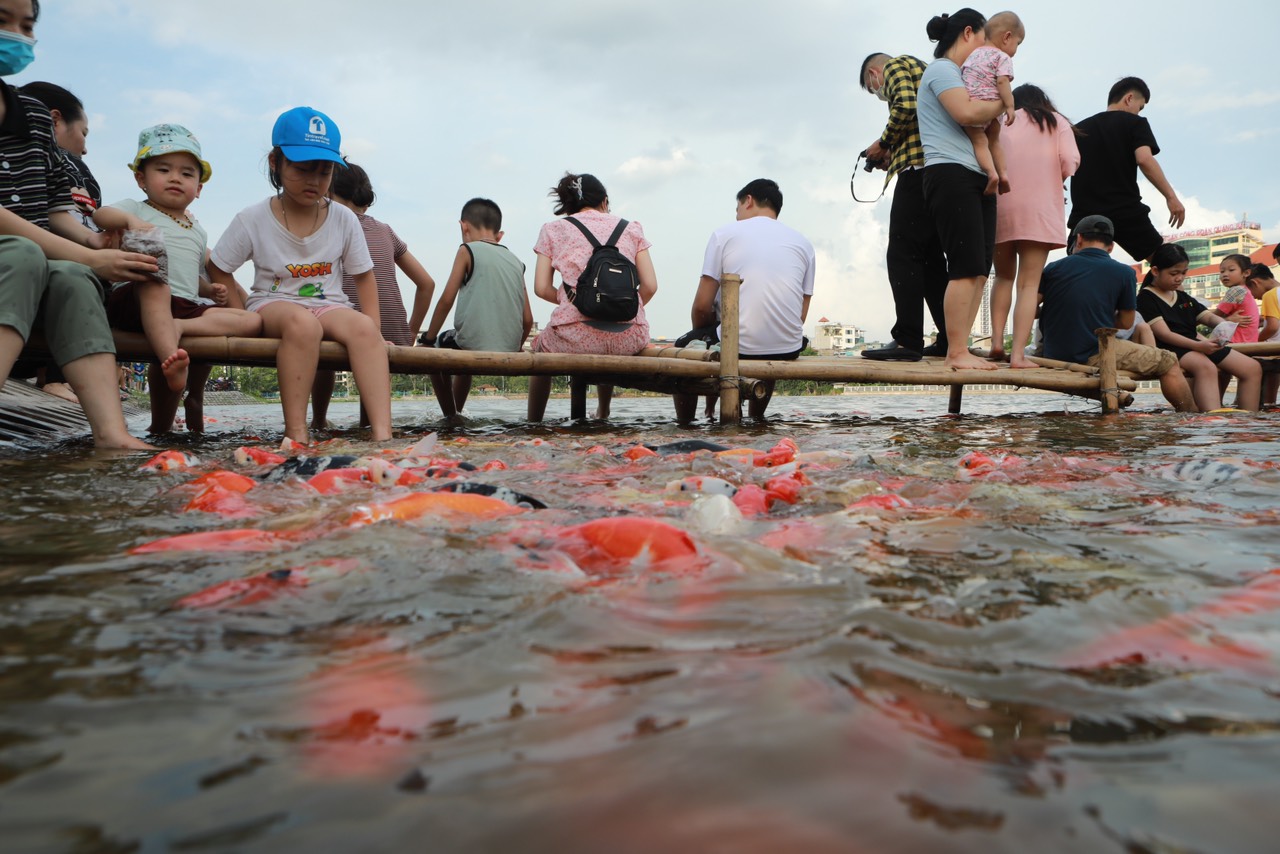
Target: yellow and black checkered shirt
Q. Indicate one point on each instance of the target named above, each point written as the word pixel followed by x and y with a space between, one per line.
pixel 902 134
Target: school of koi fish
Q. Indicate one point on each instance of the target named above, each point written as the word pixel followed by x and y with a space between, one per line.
pixel 959 634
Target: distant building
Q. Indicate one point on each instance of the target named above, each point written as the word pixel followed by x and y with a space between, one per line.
pixel 833 337
pixel 1207 246
pixel 982 323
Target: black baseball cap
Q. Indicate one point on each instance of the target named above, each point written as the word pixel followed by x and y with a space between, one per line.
pixel 1094 227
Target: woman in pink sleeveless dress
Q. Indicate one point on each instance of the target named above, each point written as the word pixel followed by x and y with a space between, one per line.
pixel 562 247
pixel 1031 219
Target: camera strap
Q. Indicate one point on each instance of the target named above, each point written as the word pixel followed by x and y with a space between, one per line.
pixel 857 167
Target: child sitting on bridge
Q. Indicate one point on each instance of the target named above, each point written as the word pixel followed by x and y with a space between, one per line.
pixel 487 281
pixel 170 172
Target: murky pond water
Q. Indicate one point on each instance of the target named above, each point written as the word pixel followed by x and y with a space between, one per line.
pixel 1000 632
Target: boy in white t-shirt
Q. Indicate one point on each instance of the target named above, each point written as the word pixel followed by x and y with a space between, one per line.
pixel 776 264
pixel 169 170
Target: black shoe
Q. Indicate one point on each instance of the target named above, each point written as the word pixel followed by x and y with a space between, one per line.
pixel 934 351
pixel 895 352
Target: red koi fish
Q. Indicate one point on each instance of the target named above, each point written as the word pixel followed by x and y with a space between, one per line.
pixel 751 500
pixel 239 592
pixel 613 545
pixel 638 452
pixel 222 492
pixel 887 501
pixel 1173 639
pixel 977 464
pixel 249 456
pixel 419 504
pixel 232 540
pixel 785 488
pixel 167 461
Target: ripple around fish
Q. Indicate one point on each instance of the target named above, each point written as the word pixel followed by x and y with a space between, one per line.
pixel 962 660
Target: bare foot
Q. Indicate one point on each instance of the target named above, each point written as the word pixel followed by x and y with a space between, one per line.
pixel 968 362
pixel 61 390
pixel 993 184
pixel 122 442
pixel 1004 186
pixel 174 369
pixel 1021 362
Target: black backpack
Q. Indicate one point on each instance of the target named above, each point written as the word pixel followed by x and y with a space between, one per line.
pixel 609 287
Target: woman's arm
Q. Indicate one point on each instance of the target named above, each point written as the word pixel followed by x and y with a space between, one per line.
pixel 543 280
pixel 968 112
pixel 1068 150
pixel 425 289
pixel 648 277
pixel 111 264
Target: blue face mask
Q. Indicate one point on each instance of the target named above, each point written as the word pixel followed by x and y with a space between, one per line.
pixel 16 52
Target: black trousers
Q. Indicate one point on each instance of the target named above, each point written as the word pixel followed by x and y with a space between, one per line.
pixel 917 267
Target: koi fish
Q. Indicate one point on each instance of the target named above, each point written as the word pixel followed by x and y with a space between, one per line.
pixel 222 492
pixel 384 473
pixel 977 464
pixel 1171 639
pixel 1204 472
pixel 638 452
pixel 246 456
pixel 419 504
pixel 780 454
pixel 233 540
pixel 881 502
pixel 751 500
pixel 333 481
pixel 612 545
pixel 502 493
pixel 785 488
pixel 305 467
pixel 686 446
pixel 705 485
pixel 239 592
pixel 167 461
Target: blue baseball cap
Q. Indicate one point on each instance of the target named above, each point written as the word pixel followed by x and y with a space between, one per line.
pixel 305 134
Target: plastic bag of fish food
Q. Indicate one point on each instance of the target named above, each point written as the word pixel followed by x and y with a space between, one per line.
pixel 148 241
pixel 1223 332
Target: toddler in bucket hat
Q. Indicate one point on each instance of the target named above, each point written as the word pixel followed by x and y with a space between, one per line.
pixel 168 139
pixel 306 134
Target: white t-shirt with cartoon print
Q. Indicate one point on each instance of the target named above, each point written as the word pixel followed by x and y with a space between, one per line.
pixel 306 270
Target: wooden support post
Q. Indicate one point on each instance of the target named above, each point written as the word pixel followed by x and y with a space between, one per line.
pixel 578 397
pixel 729 397
pixel 953 403
pixel 1108 388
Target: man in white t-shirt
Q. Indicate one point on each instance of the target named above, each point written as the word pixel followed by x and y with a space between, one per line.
pixel 776 264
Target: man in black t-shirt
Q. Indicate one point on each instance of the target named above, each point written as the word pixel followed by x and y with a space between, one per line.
pixel 1114 145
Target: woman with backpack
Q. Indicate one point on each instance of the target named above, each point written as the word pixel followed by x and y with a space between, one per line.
pixel 602 312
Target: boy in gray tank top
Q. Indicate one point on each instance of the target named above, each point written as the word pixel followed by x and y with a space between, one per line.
pixel 493 312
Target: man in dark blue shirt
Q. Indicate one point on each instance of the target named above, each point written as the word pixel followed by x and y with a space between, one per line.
pixel 1089 290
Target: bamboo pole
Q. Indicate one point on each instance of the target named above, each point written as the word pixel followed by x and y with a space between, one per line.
pixel 653 351
pixel 426 360
pixel 955 399
pixel 747 388
pixel 1107 379
pixel 729 400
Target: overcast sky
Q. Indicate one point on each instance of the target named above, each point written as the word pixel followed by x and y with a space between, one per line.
pixel 674 106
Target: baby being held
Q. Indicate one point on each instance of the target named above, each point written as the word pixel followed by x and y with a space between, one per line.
pixel 988 73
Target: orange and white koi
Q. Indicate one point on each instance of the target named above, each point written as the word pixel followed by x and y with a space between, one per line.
pixel 384 473
pixel 250 456
pixel 167 461
pixel 703 484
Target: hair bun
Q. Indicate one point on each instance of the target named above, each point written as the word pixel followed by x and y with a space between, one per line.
pixel 937 27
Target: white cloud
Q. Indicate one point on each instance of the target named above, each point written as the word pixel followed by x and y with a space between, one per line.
pixel 646 166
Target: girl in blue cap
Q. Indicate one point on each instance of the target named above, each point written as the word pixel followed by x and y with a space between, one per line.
pixel 301 245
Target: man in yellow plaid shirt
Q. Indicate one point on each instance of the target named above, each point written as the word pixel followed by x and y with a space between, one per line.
pixel 917 267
